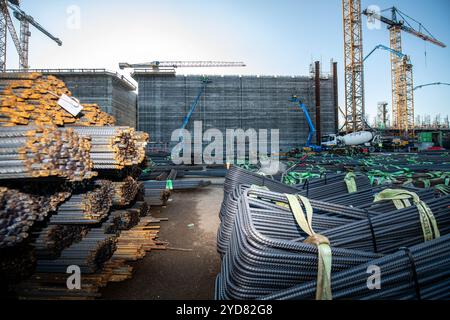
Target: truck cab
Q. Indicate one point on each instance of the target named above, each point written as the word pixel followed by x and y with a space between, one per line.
pixel 329 141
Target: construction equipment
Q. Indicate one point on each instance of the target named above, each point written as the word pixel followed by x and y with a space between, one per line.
pixel 361 138
pixel 431 84
pixel 22 45
pixel 160 65
pixel 383 47
pixel 312 129
pixel 402 74
pixel 205 82
pixel 354 67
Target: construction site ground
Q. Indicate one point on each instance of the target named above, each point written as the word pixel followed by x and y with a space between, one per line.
pixel 187 270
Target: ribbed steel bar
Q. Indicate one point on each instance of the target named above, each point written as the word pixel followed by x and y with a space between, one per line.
pixel 31 98
pixel 419 272
pixel 33 152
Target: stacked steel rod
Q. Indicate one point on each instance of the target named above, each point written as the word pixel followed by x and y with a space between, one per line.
pixel 266 254
pixel 20 210
pixel 124 192
pixel 420 272
pixel 82 228
pixel 114 147
pixel 31 98
pixel 51 240
pixel 32 152
pixel 86 208
pixel 89 254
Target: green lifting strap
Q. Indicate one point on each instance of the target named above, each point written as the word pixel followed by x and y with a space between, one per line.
pixel 428 221
pixel 169 185
pixel 323 289
pixel 351 182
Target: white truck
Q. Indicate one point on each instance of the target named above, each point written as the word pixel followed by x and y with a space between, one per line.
pixel 367 139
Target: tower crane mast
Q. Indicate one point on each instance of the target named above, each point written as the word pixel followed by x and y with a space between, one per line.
pixel 401 67
pixel 354 112
pixel 22 44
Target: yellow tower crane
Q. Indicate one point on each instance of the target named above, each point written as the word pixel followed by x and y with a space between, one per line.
pixel 354 112
pixel 401 67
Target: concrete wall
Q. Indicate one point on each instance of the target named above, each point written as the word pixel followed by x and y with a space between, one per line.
pixel 232 102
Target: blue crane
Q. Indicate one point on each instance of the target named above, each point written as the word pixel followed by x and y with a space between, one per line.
pixel 205 82
pixel 383 47
pixel 312 129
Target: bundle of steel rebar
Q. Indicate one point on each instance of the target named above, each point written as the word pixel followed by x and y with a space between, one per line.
pixel 176 184
pixel 19 211
pixel 16 264
pixel 124 192
pixel 420 272
pixel 86 208
pixel 134 243
pixel 114 147
pixel 321 189
pixel 51 240
pixel 30 98
pixel 89 254
pixel 260 260
pixel 266 249
pixel 143 208
pixel 330 215
pixel 157 197
pixel 38 151
pixel 128 218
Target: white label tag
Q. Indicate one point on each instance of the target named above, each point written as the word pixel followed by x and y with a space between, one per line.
pixel 71 105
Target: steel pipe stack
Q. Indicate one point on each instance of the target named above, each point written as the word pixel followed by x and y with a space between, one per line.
pixel 114 148
pixel 33 152
pixel 86 208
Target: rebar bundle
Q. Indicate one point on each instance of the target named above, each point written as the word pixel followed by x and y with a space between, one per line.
pixel 124 192
pixel 176 184
pixel 19 211
pixel 54 238
pixel 32 152
pixel 16 264
pixel 157 197
pixel 415 273
pixel 89 254
pixel 86 208
pixel 267 251
pixel 143 208
pixel 264 255
pixel 32 98
pixel 127 218
pixel 114 147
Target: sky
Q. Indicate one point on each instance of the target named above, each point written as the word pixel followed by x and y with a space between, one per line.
pixel 273 37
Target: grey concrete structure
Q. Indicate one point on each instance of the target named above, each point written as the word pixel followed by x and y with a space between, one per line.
pixel 112 92
pixel 230 102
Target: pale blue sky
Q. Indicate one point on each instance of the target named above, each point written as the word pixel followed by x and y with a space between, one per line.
pixel 273 37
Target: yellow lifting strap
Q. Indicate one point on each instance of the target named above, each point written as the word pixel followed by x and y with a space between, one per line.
pixel 428 221
pixel 351 182
pixel 323 289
